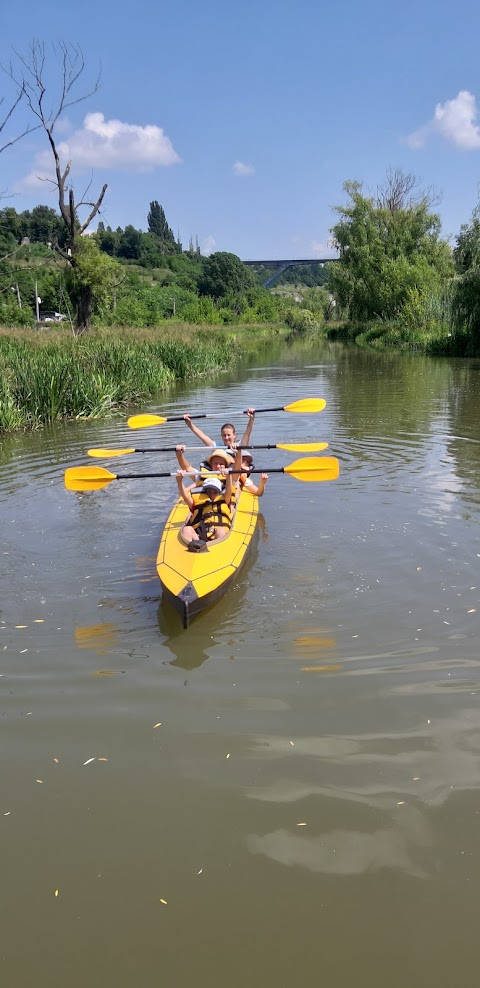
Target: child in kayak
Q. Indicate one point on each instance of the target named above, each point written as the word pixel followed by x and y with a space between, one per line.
pixel 217 460
pixel 211 516
pixel 244 463
pixel 227 432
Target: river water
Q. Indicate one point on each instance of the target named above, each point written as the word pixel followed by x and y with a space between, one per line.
pixel 287 792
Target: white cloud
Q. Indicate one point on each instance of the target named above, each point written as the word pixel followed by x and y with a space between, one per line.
pixel 455 121
pixel 323 249
pixel 208 244
pixel 102 143
pixel 318 248
pixel 241 169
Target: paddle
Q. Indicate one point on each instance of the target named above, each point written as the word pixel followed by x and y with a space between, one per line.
pixel 305 405
pixel 293 447
pixel 311 468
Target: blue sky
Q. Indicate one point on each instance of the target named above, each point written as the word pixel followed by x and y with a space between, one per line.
pixel 257 112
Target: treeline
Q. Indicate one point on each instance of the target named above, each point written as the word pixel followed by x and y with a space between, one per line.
pixel 135 278
pixel 398 282
pixel 40 225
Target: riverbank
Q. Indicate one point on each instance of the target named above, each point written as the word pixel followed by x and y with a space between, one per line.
pixel 436 342
pixel 50 376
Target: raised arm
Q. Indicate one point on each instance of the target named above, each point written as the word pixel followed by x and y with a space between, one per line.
pixel 228 487
pixel 182 460
pixel 184 493
pixel 237 464
pixel 261 486
pixel 198 432
pixel 248 431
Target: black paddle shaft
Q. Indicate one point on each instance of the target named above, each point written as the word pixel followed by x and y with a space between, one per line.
pixel 145 476
pixel 214 415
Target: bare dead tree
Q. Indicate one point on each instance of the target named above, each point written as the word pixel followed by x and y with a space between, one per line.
pixel 6 113
pixel 29 73
pixel 402 190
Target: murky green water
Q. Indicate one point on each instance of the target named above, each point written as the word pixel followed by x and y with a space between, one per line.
pixel 288 792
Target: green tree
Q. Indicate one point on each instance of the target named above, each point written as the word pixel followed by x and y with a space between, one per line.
pixel 130 243
pixel 389 248
pixel 466 299
pixel 92 281
pixel 224 274
pixel 157 224
pixel 107 240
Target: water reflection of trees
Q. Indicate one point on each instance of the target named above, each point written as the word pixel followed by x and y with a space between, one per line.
pixel 410 400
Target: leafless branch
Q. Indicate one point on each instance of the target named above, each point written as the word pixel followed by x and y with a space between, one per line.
pixel 402 190
pixel 94 211
pixel 9 113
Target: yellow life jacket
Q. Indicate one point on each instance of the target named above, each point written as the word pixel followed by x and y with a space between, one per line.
pixel 210 515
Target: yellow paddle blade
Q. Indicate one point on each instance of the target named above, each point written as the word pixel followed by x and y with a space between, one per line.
pixel 306 405
pixel 142 421
pixel 87 478
pixel 303 447
pixel 103 453
pixel 314 468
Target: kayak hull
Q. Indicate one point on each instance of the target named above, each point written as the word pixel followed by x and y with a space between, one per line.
pixel 191 581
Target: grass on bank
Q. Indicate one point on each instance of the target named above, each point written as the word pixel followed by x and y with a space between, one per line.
pixel 438 340
pixel 51 375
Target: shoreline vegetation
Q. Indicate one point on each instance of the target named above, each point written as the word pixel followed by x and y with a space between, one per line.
pixel 138 312
pixel 52 376
pixel 437 342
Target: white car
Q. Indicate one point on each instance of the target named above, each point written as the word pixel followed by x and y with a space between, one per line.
pixel 50 316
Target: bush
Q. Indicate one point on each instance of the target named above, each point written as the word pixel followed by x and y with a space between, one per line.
pixel 302 321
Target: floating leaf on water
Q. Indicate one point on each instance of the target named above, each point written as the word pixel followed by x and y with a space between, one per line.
pixel 227 756
pixel 103 759
pixel 164 902
pixel 21 625
pixel 38 621
pixel 55 760
pixel 472 610
pixel 39 780
pixel 89 760
pixel 301 824
pixel 157 725
pixel 56 893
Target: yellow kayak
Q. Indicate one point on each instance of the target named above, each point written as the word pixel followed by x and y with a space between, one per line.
pixel 193 580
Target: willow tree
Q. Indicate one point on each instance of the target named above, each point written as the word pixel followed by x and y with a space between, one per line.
pixel 50 87
pixel 466 300
pixel 391 251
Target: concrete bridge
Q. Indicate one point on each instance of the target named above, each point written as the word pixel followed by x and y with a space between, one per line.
pixel 282 265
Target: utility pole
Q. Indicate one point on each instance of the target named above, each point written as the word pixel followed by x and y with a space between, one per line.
pixel 19 299
pixel 37 300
